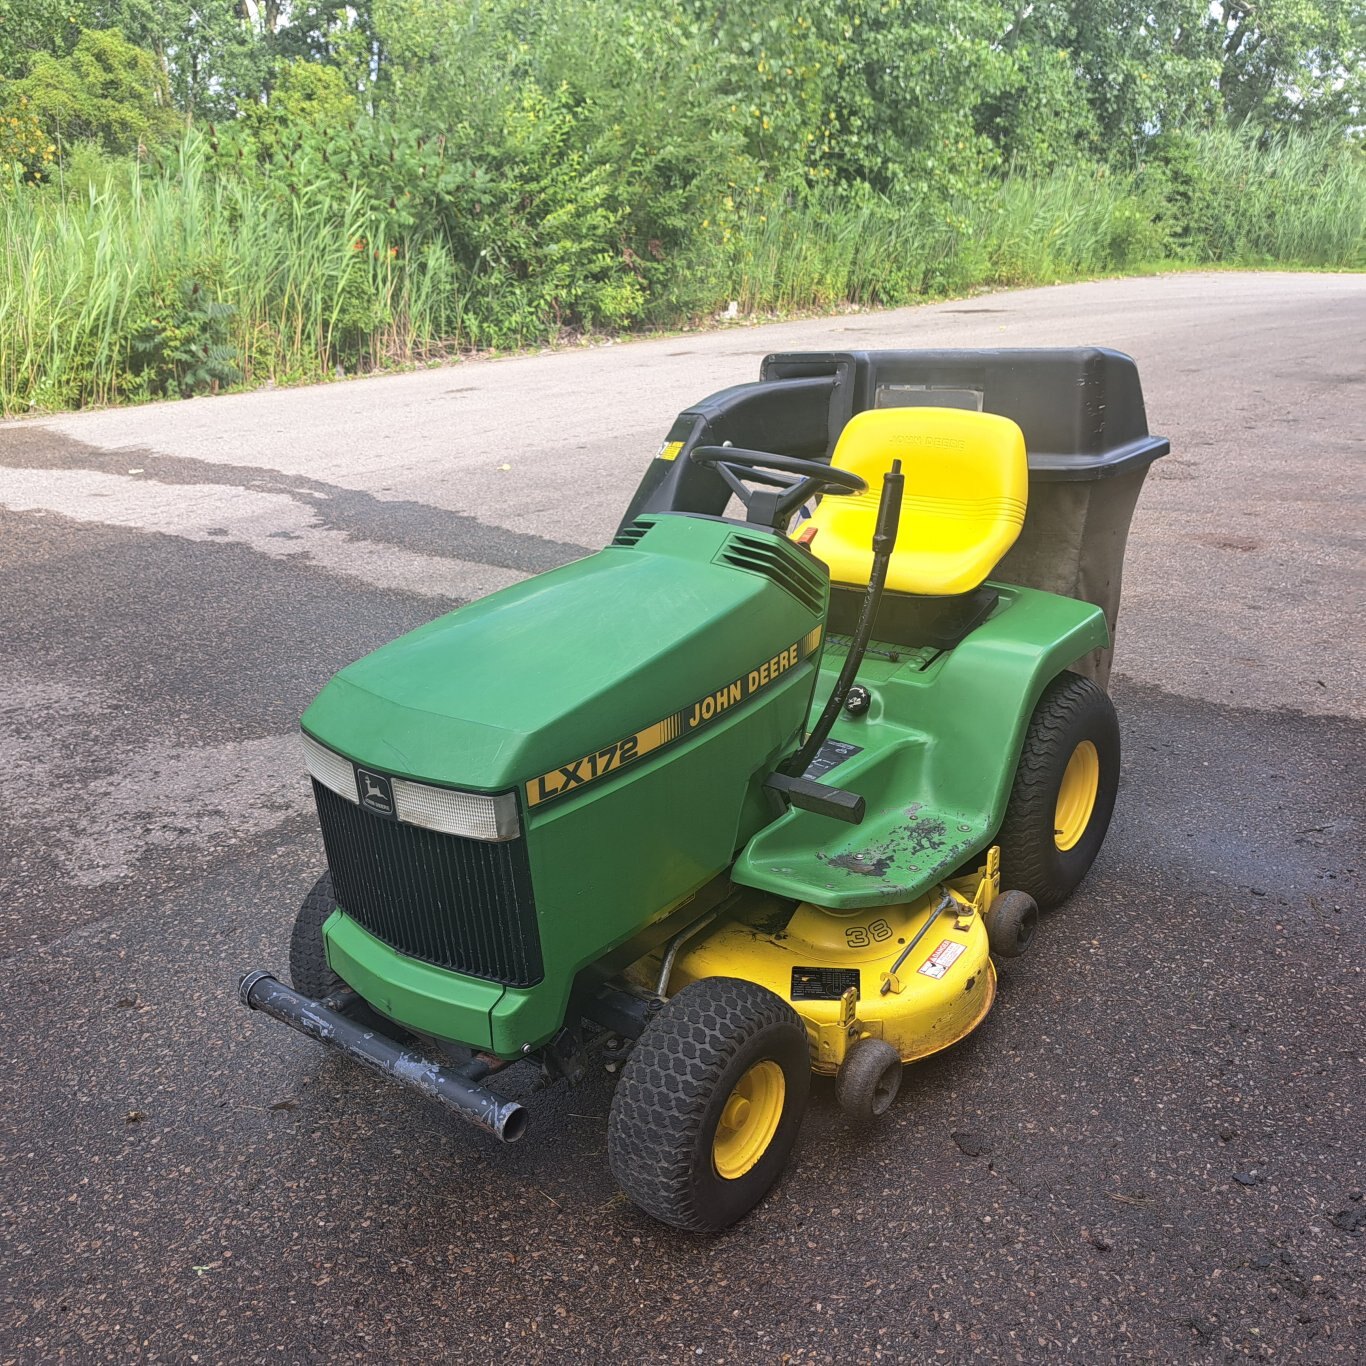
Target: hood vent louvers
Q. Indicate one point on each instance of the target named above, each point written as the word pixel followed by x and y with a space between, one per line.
pixel 789 568
pixel 631 534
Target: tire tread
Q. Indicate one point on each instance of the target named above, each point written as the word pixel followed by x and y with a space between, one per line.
pixel 668 1082
pixel 309 970
pixel 1069 705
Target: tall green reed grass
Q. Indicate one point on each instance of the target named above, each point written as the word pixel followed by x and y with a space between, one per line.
pixel 1222 199
pixel 313 283
pixel 1294 201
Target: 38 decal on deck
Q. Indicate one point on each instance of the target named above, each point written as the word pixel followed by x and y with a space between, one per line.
pixel 576 774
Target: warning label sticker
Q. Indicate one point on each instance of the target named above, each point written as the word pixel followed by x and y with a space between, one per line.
pixel 943 958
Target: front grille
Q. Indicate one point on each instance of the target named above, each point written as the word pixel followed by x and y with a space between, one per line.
pixel 776 559
pixel 458 903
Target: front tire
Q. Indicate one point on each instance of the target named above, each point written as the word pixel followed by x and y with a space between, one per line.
pixel 709 1104
pixel 1064 791
pixel 308 967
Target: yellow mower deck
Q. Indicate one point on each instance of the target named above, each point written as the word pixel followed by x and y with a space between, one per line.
pixel 840 972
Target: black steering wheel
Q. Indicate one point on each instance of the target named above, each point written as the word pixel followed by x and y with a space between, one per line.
pixel 795 480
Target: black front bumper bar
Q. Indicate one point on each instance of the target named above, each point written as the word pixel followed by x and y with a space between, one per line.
pixel 457 1089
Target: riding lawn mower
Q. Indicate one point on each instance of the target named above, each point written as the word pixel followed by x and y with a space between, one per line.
pixel 757 791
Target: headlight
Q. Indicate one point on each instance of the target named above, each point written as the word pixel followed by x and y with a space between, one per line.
pixel 472 815
pixel 330 769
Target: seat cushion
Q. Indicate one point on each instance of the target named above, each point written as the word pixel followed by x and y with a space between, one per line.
pixel 967 482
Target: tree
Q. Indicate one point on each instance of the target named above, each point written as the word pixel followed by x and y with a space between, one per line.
pixel 1290 61
pixel 306 100
pixel 214 53
pixel 871 92
pixel 105 91
pixel 1036 120
pixel 1148 67
pixel 28 27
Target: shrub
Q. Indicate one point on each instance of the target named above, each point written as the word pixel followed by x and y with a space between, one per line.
pixel 181 345
pixel 26 152
pixel 106 91
pixel 305 100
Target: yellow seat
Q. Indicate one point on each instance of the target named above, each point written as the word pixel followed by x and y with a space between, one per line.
pixel 967 479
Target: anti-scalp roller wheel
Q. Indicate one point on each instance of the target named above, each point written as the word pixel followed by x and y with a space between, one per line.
pixel 1011 923
pixel 868 1080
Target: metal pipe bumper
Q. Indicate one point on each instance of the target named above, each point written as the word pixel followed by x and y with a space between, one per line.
pixel 505 1119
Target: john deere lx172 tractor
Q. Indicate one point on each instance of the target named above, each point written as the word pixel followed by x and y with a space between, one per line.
pixel 756 791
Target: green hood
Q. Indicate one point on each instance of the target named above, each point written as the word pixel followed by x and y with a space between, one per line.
pixel 547 670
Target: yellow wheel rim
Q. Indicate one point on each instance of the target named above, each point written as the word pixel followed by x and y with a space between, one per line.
pixel 749 1119
pixel 1076 795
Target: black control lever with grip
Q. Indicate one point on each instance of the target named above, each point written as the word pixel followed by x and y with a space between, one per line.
pixel 884 542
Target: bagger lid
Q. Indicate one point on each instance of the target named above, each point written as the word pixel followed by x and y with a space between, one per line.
pixel 1080 408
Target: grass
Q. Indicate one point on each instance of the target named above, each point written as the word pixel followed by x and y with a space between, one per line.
pixel 311 284
pixel 94 285
pixel 1299 204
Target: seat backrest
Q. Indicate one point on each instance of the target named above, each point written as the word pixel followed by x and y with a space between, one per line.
pixel 967 482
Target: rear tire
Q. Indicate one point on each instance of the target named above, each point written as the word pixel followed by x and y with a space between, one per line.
pixel 308 967
pixel 709 1104
pixel 1064 791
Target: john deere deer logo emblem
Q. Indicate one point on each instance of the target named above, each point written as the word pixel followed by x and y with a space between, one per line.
pixel 376 794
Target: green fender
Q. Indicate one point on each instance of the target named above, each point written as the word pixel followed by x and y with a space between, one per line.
pixel 935 759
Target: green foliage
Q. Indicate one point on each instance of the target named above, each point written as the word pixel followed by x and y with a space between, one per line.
pixel 87 169
pixel 28 27
pixel 1290 62
pixel 1036 119
pixel 1236 197
pixel 631 100
pixel 26 154
pixel 181 344
pixel 113 296
pixel 827 252
pixel 212 56
pixel 306 101
pixel 105 91
pixel 1159 66
pixel 548 229
pixel 882 93
pixel 180 280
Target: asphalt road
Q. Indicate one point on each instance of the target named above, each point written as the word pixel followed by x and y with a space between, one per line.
pixel 1152 1149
